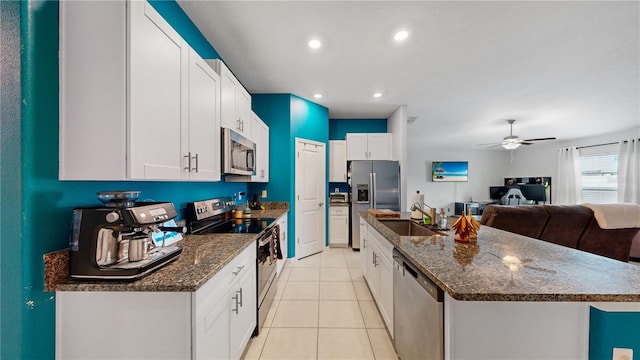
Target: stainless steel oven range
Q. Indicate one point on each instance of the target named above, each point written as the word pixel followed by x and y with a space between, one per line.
pixel 214 216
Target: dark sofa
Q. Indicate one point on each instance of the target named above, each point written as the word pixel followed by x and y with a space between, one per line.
pixel 568 225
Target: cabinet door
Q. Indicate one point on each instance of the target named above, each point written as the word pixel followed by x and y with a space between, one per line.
pixel 373 272
pixel 339 226
pixel 243 110
pixel 228 100
pixel 212 332
pixel 157 85
pixel 283 243
pixel 379 146
pixel 260 132
pixel 243 310
pixel 363 247
pixel 93 102
pixel 385 293
pixel 357 147
pixel 202 155
pixel 338 160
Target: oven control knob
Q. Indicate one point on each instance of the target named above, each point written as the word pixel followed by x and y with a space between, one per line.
pixel 112 217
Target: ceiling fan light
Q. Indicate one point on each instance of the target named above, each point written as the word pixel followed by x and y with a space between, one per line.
pixel 510 145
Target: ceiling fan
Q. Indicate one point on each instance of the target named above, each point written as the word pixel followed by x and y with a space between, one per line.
pixel 513 141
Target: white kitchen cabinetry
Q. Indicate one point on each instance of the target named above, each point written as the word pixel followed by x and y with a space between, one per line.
pixel 338 161
pixel 261 138
pixel 235 101
pixel 374 146
pixel 162 325
pixel 282 221
pixel 364 247
pixel 339 226
pixel 131 94
pixel 379 274
pixel 202 155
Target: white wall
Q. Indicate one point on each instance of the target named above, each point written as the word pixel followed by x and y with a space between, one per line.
pixel 487 167
pixel 541 159
pixel 397 126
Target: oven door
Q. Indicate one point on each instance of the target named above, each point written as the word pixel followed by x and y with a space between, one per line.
pixel 238 154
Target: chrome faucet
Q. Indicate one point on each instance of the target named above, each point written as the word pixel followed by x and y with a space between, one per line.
pixel 431 215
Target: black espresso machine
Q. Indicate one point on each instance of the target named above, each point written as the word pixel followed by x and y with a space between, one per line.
pixel 115 241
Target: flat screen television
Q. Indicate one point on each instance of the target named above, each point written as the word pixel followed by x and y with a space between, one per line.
pixel 450 171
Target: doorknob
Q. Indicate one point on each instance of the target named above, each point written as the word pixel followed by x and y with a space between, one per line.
pixel 321 203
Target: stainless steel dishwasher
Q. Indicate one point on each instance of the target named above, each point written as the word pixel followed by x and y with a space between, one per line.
pixel 417 312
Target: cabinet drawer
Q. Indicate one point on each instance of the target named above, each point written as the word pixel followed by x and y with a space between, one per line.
pixel 218 286
pixel 338 210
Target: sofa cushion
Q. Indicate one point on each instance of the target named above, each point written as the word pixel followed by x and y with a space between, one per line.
pixel 612 243
pixel 566 224
pixel 527 220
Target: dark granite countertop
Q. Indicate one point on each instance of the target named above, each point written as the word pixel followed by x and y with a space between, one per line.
pixel 202 257
pixel 547 272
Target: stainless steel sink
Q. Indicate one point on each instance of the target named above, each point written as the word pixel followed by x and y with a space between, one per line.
pixel 406 227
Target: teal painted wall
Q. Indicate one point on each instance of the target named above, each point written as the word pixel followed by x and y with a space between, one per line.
pixel 46 203
pixel 613 329
pixel 10 204
pixel 288 116
pixel 338 128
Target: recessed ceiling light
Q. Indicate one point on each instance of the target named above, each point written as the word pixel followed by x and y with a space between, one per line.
pixel 401 35
pixel 315 44
pixel 317 96
pixel 377 95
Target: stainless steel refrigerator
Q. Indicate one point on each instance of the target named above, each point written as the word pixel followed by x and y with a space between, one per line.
pixel 374 185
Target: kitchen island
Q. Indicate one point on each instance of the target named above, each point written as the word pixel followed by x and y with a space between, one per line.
pixel 203 305
pixel 508 296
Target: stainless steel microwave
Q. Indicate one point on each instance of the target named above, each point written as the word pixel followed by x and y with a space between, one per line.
pixel 238 154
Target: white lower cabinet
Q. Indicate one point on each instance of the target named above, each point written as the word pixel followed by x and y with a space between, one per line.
pixel 339 226
pixel 282 222
pixel 379 274
pixel 364 256
pixel 214 322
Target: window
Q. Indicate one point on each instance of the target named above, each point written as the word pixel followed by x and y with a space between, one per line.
pixel 599 178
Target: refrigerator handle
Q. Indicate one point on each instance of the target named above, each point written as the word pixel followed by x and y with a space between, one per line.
pixel 374 186
pixel 370 191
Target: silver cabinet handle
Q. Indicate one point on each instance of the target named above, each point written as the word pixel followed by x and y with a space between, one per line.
pixel 240 292
pixel 188 157
pixel 238 270
pixel 321 203
pixel 237 304
pixel 196 161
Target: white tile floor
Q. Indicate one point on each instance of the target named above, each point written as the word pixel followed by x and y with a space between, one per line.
pixel 323 310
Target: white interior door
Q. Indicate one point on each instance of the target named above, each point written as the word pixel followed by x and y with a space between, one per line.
pixel 310 197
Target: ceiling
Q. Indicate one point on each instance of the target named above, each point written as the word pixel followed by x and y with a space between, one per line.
pixel 565 69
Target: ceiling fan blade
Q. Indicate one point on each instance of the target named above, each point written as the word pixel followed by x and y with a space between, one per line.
pixel 487 144
pixel 526 143
pixel 494 145
pixel 541 139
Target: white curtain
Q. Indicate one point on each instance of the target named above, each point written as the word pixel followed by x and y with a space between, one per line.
pixel 569 187
pixel 629 171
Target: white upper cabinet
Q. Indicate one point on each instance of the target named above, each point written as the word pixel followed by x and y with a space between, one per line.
pixel 261 138
pixel 136 102
pixel 235 101
pixel 337 161
pixel 202 156
pixel 374 146
pixel 157 86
